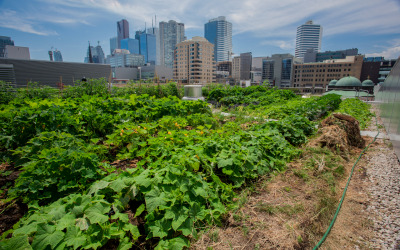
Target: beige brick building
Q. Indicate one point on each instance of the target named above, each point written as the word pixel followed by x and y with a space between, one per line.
pixel 314 77
pixel 194 61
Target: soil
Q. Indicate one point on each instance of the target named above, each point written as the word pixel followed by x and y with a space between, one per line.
pixel 122 165
pixel 10 211
pixel 292 210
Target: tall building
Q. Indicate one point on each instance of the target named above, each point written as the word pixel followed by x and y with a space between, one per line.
pixel 313 56
pixel 314 77
pixel 147 45
pixel 236 68
pixel 218 31
pixel 245 66
pixel 156 32
pixel 113 44
pixel 96 54
pixel 57 56
pixel 277 69
pixel 241 67
pixel 5 40
pixel 194 61
pixel 171 33
pixel 130 44
pixel 308 36
pixel 122 31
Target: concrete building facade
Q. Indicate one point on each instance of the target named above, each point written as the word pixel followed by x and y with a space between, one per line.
pixel 242 67
pixel 314 77
pixel 308 36
pixel 218 31
pixel 17 52
pixel 51 73
pixel 171 33
pixel 194 61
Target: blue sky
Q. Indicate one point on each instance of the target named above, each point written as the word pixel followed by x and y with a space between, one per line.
pixel 263 27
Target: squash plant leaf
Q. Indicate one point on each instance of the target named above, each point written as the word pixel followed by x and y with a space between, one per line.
pixel 74 237
pixel 18 242
pixel 47 236
pixel 154 199
pixel 140 210
pixel 96 213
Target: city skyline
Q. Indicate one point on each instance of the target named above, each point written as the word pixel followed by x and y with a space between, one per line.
pixel 263 28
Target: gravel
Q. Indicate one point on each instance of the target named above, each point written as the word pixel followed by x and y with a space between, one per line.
pixel 384 206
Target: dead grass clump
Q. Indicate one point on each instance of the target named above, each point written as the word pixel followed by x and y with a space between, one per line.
pixel 332 137
pixel 350 125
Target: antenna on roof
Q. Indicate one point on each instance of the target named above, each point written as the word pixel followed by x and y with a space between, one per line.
pixel 144 27
pixel 155 19
pixel 152 26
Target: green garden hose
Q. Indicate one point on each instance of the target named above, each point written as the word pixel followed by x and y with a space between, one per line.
pixel 345 190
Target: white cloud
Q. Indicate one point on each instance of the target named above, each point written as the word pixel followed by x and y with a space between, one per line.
pixel 276 19
pixel 10 19
pixel 390 52
pixel 265 18
pixel 284 45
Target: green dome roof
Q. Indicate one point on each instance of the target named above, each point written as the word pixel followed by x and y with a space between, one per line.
pixel 332 83
pixel 368 83
pixel 348 81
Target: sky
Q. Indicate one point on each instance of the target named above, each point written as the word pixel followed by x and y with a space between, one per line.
pixel 263 27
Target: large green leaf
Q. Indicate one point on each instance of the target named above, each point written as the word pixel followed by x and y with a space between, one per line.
pixel 117 185
pixel 65 222
pixel 47 236
pixel 177 216
pixel 74 237
pixel 154 199
pixel 98 186
pixel 96 213
pixel 160 228
pixel 18 242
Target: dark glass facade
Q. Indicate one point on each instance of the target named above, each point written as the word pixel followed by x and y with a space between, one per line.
pixel 286 68
pixel 5 40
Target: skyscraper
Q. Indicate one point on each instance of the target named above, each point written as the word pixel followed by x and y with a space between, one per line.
pixel 130 44
pixel 148 47
pixel 156 32
pixel 171 33
pixel 122 31
pixel 113 44
pixel 57 56
pixel 308 36
pixel 5 40
pixel 218 31
pixel 94 55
